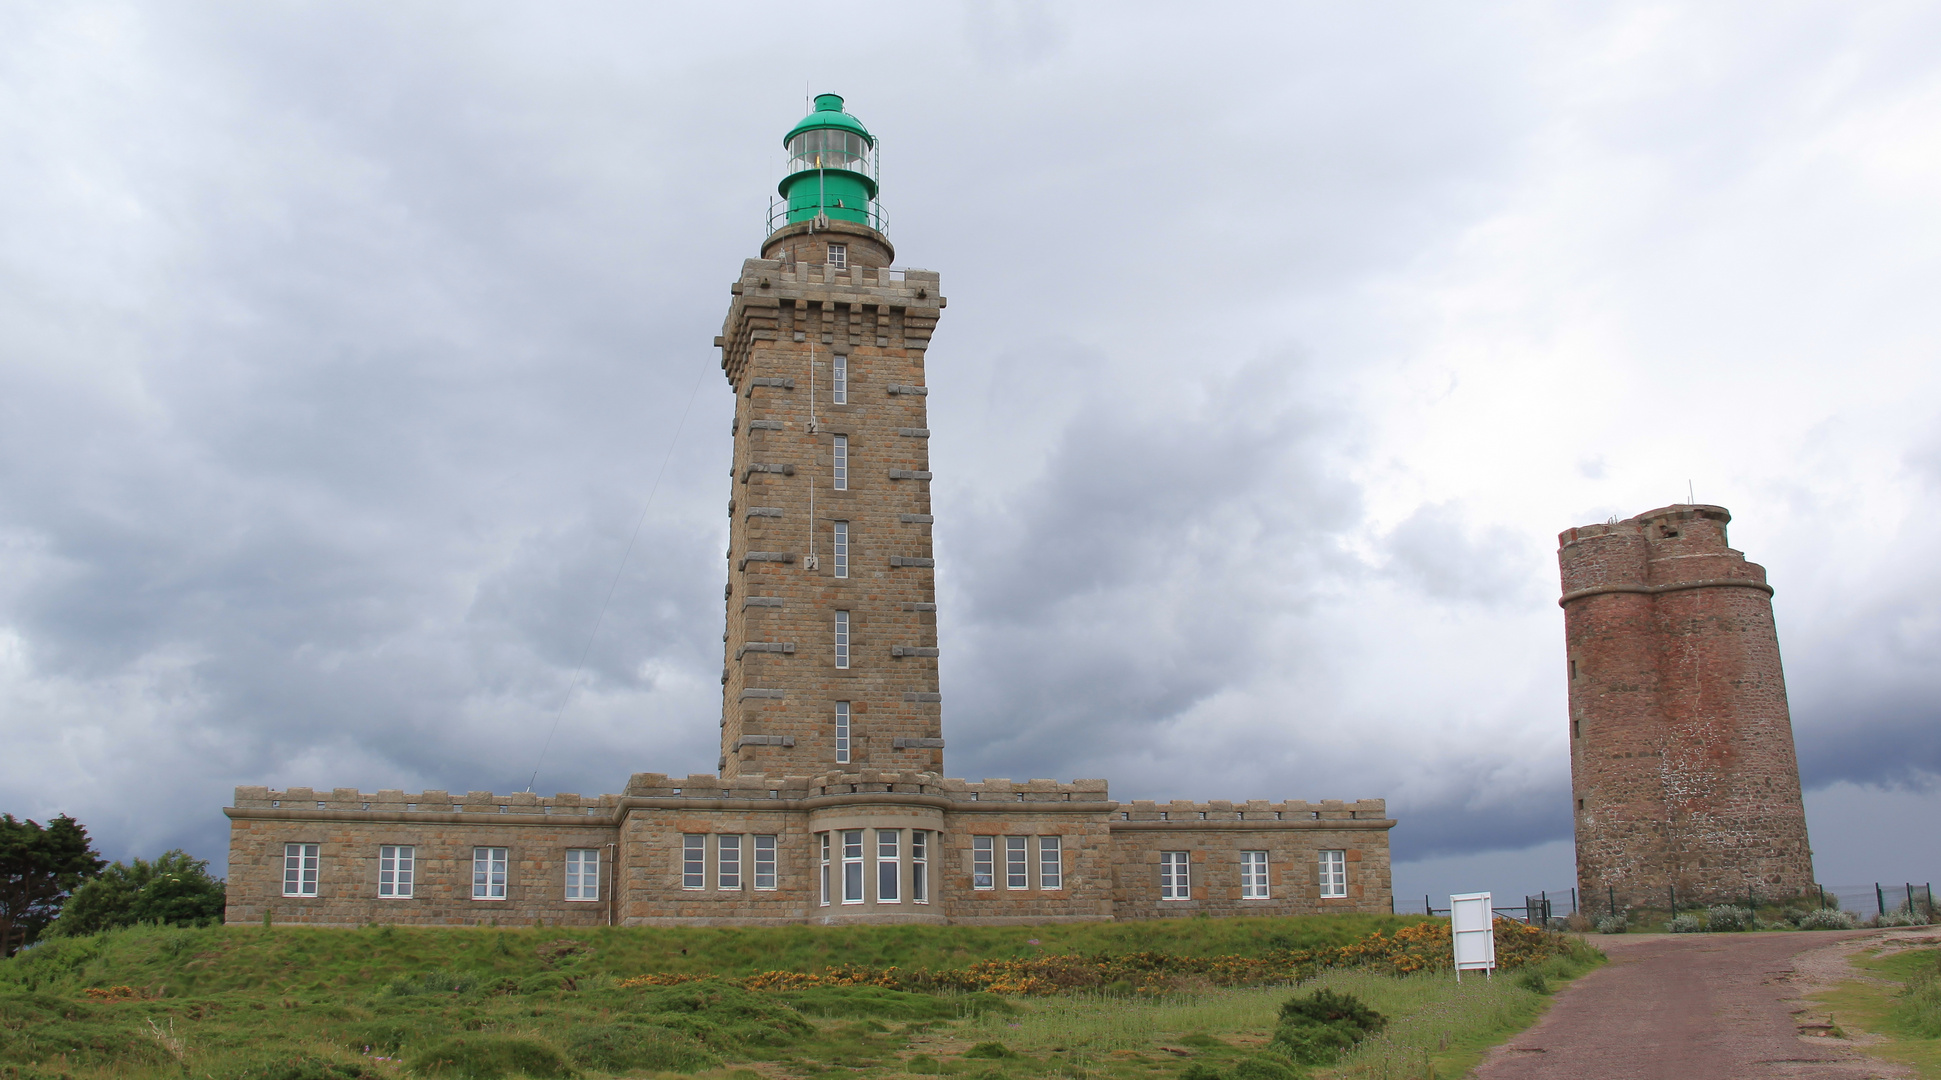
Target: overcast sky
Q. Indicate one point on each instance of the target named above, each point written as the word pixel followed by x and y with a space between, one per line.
pixel 341 345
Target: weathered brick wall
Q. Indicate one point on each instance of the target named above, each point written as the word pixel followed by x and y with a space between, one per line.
pixel 1682 758
pixel 788 321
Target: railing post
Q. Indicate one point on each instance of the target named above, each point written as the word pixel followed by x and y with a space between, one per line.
pixel 1880 898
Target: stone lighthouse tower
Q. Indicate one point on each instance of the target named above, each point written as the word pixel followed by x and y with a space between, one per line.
pixel 1681 746
pixel 830 656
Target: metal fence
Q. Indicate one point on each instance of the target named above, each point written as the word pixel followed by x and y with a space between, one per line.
pixel 1866 901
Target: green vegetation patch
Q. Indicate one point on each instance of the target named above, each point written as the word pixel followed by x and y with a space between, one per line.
pixel 489 1057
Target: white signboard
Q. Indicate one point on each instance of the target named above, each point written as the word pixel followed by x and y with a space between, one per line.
pixel 1473 925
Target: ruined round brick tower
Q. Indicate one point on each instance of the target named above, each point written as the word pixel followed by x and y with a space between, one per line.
pixel 1681 747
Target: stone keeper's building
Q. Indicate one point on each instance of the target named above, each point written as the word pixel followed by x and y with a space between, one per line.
pixel 831 803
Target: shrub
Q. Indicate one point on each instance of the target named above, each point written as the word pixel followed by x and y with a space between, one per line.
pixel 1727 918
pixel 303 1067
pixel 618 1048
pixel 1614 924
pixel 1903 917
pixel 870 1001
pixel 1200 1071
pixel 1268 1065
pixel 1687 922
pixel 1532 979
pixel 387 1038
pixel 488 1057
pixel 1316 1029
pixel 992 1050
pixel 174 890
pixel 1827 918
pixel 722 1015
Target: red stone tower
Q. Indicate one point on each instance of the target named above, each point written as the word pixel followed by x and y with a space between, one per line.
pixel 1681 746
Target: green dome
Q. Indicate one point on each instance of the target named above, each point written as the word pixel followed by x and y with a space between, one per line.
pixel 828 114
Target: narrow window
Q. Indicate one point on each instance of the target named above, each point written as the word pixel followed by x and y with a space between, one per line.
pixel 727 854
pixel 1573 669
pixel 1015 875
pixel 1334 874
pixel 1253 875
pixel 852 866
pixel 889 868
pixel 1580 804
pixel 764 862
pixel 300 863
pixel 394 871
pixel 841 460
pixel 842 639
pixel 839 380
pixel 1576 729
pixel 1051 863
pixel 839 256
pixel 694 861
pixel 919 866
pixel 839 552
pixel 825 869
pixel 1175 879
pixel 582 873
pixel 842 732
pixel 488 873
pixel 982 870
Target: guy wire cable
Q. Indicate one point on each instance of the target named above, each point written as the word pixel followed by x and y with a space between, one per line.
pixel 579 669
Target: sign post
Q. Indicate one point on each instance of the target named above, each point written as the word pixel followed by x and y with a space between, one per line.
pixel 1473 926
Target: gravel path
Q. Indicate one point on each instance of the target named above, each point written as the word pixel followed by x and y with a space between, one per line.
pixel 1694 1007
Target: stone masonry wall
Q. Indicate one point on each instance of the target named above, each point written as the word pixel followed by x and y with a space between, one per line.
pixel 786 327
pixel 1682 759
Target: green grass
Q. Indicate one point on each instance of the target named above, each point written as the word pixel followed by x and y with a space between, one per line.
pixel 476 1004
pixel 304 960
pixel 1906 1011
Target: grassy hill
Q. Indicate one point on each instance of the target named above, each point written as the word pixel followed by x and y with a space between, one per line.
pixel 304 960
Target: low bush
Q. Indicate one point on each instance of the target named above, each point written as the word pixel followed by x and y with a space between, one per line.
pixel 1903 917
pixel 487 1057
pixel 1726 918
pixel 303 1067
pixel 871 1001
pixel 1268 1065
pixel 991 1050
pixel 1318 1028
pixel 1614 924
pixel 1533 980
pixel 1687 922
pixel 1826 918
pixel 619 1048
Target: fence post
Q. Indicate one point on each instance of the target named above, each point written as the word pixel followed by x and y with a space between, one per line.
pixel 1673 890
pixel 1613 891
pixel 1822 896
pixel 1751 904
pixel 1880 898
pixel 1427 908
pixel 1573 899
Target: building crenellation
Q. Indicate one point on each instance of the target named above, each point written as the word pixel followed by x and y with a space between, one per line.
pixel 830 802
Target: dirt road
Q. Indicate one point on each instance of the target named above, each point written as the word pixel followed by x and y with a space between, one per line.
pixel 1692 1007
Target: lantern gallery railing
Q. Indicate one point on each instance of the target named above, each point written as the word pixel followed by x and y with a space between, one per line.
pixel 783 212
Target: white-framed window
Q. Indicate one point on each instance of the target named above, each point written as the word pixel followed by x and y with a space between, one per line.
pixel 842 639
pixel 582 873
pixel 825 869
pixel 300 863
pixel 1253 875
pixel 839 551
pixel 839 256
pixel 764 862
pixel 1016 867
pixel 919 866
pixel 839 457
pixel 488 873
pixel 396 867
pixel 1175 876
pixel 842 732
pixel 852 866
pixel 694 861
pixel 889 866
pixel 839 379
pixel 983 849
pixel 1051 862
pixel 727 851
pixel 1334 875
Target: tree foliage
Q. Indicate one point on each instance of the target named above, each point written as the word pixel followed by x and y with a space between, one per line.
pixel 39 867
pixel 174 890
